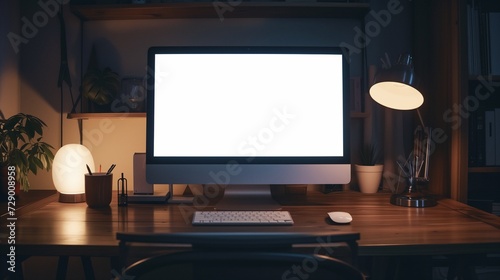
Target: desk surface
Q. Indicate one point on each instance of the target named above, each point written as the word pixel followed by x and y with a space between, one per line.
pixel 448 228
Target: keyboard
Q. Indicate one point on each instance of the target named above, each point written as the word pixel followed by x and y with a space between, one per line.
pixel 242 218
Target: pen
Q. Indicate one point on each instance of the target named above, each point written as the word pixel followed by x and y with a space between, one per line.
pixel 110 169
pixel 88 168
pixel 99 168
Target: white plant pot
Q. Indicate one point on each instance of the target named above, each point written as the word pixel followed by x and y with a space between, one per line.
pixel 369 177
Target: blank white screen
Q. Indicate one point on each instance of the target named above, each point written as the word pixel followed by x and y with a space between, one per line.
pixel 248 105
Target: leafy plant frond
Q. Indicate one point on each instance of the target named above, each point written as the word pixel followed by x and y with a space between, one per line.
pixel 21 145
pixel 370 155
pixel 101 87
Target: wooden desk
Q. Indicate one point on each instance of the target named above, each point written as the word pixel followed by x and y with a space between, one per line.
pixel 28 201
pixel 385 230
pixel 448 228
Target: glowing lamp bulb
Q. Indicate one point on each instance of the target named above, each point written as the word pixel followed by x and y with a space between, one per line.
pixel 396 95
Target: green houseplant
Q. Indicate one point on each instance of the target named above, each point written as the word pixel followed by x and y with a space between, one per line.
pixel 100 86
pixel 21 146
pixel 369 171
pixel 370 155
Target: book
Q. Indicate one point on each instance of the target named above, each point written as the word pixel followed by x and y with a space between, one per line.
pixel 473 39
pixel 479 139
pixel 494 22
pixel 473 139
pixel 489 141
pixel 495 208
pixel 476 133
pixel 496 139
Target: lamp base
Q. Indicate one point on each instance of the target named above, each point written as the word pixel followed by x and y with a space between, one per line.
pixel 71 198
pixel 413 200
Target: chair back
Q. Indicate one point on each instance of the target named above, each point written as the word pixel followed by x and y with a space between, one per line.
pixel 241 265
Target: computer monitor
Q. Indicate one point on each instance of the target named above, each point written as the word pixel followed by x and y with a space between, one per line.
pixel 248 116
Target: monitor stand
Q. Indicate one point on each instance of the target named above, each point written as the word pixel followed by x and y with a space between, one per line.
pixel 247 197
pixel 177 199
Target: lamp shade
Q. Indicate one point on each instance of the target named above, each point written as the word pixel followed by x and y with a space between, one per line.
pixel 395 88
pixel 69 167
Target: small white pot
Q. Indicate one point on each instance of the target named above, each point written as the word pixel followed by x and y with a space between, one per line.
pixel 369 177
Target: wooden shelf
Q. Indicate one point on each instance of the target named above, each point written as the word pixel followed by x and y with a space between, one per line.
pixel 207 10
pixel 484 169
pixel 495 78
pixel 86 116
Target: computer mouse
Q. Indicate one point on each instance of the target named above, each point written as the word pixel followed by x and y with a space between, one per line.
pixel 340 217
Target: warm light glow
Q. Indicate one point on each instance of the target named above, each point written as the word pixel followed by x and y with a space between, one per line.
pixel 70 225
pixel 69 168
pixel 397 96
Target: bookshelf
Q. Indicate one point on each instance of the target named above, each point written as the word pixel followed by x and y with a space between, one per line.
pixel 442 59
pixel 483 104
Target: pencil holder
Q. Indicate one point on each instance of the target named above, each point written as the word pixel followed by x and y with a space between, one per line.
pixel 98 189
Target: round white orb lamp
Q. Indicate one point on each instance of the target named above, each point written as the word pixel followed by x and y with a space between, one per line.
pixel 68 170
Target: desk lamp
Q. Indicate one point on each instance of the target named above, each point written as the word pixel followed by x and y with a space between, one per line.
pixel 68 169
pixel 395 88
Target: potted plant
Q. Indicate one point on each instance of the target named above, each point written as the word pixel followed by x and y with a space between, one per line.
pixel 22 148
pixel 369 171
pixel 100 86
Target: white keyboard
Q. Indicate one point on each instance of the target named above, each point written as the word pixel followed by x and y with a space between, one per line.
pixel 242 218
